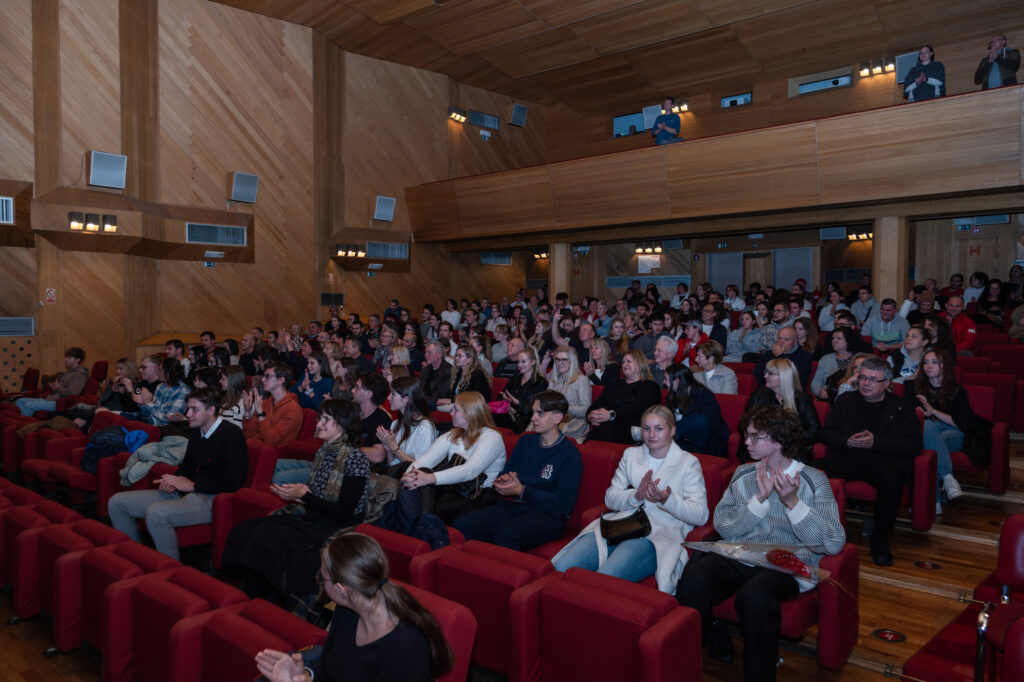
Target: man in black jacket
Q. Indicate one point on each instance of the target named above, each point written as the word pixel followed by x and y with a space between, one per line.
pixel 873 436
pixel 435 375
pixel 216 461
pixel 999 66
pixel 786 346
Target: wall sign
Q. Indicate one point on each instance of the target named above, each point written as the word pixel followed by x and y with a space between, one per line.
pixel 51 295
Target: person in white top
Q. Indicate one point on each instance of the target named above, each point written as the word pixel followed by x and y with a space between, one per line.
pixel 733 300
pixel 412 433
pixel 451 314
pixel 682 291
pixel 472 455
pixel 979 282
pixel 827 317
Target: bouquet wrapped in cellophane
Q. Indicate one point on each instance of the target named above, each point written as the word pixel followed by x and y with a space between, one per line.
pixel 791 559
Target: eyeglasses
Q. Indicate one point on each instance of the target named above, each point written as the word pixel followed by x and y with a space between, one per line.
pixel 864 377
pixel 561 359
pixel 754 436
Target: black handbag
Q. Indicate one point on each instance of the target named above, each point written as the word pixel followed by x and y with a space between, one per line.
pixel 635 525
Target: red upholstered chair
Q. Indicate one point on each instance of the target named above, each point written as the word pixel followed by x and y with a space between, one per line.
pixel 458 625
pixel 29 383
pixel 832 605
pixel 746 384
pixel 595 391
pixel 99 371
pixel 1005 385
pixel 80 580
pixel 106 481
pixel 983 401
pixel 295 449
pixel 581 625
pixel 14 495
pixel 400 549
pixel 481 576
pixel 498 385
pixel 733 407
pixel 221 644
pixel 89 394
pixel 308 427
pixel 35 571
pixel 741 367
pixel 983 339
pixel 230 509
pixel 510 438
pixel 139 614
pixel 28 518
pixel 37 465
pixel 1010 355
pixel 439 417
pixel 976 364
pixel 11 446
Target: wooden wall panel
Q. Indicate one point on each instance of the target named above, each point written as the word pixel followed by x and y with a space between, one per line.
pixel 328 158
pixel 747 172
pixel 524 199
pixel 472 280
pixel 882 154
pixel 18 275
pixel 565 133
pixel 620 260
pixel 237 95
pixel 508 147
pixel 17 161
pixel 90 83
pixel 426 282
pixel 396 135
pixel 623 188
pixel 93 308
pixel 940 250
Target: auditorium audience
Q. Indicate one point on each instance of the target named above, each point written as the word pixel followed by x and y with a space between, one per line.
pixel 566 379
pixel 783 389
pixel 70 382
pixel 277 420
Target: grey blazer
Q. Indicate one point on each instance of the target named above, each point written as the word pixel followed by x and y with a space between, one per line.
pixel 722 381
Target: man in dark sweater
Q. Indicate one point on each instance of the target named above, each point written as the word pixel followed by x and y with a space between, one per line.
pixel 785 346
pixel 509 367
pixel 873 436
pixel 436 374
pixel 216 461
pixel 538 485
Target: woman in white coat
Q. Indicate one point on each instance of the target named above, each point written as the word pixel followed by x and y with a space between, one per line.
pixel 667 481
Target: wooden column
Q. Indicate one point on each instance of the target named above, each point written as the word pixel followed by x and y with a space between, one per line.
pixel 559 268
pixel 328 163
pixel 890 255
pixel 138 29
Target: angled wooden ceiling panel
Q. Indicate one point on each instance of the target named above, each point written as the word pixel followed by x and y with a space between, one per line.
pixel 557 13
pixel 608 57
pixel 465 26
pixel 642 24
pixel 540 52
pixel 711 57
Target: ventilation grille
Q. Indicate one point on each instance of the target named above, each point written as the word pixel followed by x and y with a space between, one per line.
pixel 17 326
pixel 225 235
pixel 846 275
pixel 479 118
pixel 495 258
pixel 6 210
pixel 825 84
pixel 671 244
pixel 393 250
pixel 518 115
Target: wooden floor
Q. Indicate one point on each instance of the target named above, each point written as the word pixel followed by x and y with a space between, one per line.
pixel 911 600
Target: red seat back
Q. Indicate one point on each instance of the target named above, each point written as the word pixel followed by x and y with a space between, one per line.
pixel 497 386
pixel 741 367
pixel 99 371
pixel 1005 386
pixel 746 384
pixel 599 463
pixel 309 418
pixel 983 400
pixel 458 625
pixel 30 380
pixel 1010 569
pixel 733 407
pixel 595 390
pixel 1011 355
pixel 104 419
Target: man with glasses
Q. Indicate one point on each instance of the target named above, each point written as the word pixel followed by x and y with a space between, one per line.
pixel 780 319
pixel 873 436
pixel 277 420
pixel 710 320
pixel 216 461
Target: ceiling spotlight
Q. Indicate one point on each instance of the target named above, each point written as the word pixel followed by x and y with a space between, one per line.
pixel 852 237
pixel 639 249
pixel 876 67
pixel 863 236
pixel 456 114
pixel 865 69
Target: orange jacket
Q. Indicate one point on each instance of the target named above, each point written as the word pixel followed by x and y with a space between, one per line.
pixel 282 423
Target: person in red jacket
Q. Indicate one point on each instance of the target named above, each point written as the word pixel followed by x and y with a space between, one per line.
pixel 277 420
pixel 965 333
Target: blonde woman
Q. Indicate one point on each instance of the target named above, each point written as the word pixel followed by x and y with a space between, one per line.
pixel 466 375
pixel 333 352
pixel 600 369
pixel 782 388
pixel 621 404
pixel 459 468
pixel 566 378
pixel 520 391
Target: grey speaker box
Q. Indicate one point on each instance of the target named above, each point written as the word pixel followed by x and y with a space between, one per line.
pixel 518 115
pixel 385 209
pixel 244 187
pixel 106 170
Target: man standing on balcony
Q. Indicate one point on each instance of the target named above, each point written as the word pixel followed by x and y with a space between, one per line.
pixel 999 66
pixel 667 126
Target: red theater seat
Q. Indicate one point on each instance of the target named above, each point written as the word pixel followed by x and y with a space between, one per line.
pixel 581 625
pixel 221 645
pixel 983 401
pixel 1010 355
pixel 14 496
pixel 746 384
pixel 15 521
pixel 400 549
pixel 38 463
pixel 140 613
pixel 80 580
pixel 230 509
pixel 481 576
pixel 29 382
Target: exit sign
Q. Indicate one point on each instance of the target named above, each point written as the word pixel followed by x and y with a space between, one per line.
pixel 209 264
pixel 723 245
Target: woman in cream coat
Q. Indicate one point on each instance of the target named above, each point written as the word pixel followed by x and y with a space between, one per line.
pixel 669 484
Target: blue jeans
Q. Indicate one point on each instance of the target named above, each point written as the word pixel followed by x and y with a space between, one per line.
pixel 943 439
pixel 291 471
pixel 29 406
pixel 632 560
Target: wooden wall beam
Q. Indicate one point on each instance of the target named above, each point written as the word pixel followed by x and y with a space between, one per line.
pixel 46 93
pixel 559 268
pixel 328 161
pixel 890 257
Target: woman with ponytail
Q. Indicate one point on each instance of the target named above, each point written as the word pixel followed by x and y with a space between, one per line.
pixel 379 633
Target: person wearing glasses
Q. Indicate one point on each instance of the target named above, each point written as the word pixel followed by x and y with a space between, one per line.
pixel 774 500
pixel 280 553
pixel 565 377
pixel 873 435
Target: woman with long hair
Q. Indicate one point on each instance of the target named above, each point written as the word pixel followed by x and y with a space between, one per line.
pixel 458 470
pixel 907 360
pixel 844 341
pixel 600 369
pixel 699 426
pixel 520 391
pixel 841 382
pixel 940 335
pixel 667 481
pixel 746 338
pixel 807 336
pixel 619 407
pixel 466 375
pixel 782 388
pixel 618 340
pixel 482 345
pixel 281 551
pixel 566 378
pixel 948 416
pixel 234 384
pixel 671 324
pixel 315 382
pixel 333 352
pixel 379 631
pixel 992 305
pixel 412 432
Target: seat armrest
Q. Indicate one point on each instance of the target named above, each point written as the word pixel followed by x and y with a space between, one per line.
pixel 923 491
pixel 838 604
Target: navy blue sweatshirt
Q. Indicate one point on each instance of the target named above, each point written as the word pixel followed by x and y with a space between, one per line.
pixel 550 476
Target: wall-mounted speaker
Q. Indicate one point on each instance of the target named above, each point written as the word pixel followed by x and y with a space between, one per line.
pixel 106 170
pixel 244 187
pixel 518 115
pixel 385 209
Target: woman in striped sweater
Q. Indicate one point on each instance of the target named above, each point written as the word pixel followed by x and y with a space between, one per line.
pixel 774 500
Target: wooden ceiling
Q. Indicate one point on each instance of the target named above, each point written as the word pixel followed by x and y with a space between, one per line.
pixel 612 57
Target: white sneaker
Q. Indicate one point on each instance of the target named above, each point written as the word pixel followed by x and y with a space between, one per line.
pixel 952 488
pixel 938 508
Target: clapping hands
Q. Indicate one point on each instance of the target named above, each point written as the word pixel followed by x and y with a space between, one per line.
pixel 648 490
